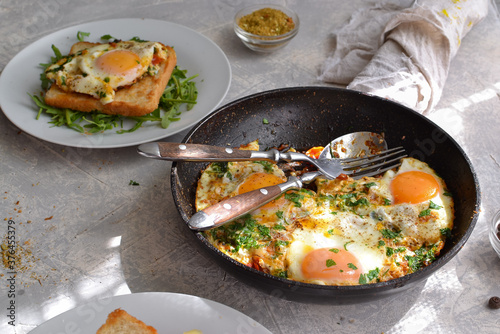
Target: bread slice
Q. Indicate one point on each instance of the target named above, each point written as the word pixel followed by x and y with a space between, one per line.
pixel 120 322
pixel 138 99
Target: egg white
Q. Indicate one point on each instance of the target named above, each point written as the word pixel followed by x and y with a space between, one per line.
pixel 79 73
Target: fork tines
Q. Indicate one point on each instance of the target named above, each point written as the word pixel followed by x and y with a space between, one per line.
pixel 375 164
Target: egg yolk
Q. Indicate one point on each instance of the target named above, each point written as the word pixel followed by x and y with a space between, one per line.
pixel 259 180
pixel 414 187
pixel 119 62
pixel 332 266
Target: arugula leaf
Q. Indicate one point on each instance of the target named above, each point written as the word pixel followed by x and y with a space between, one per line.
pixel 81 35
pixel 137 39
pixel 107 37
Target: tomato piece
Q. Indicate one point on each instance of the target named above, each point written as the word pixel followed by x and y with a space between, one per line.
pixel 156 60
pixel 314 152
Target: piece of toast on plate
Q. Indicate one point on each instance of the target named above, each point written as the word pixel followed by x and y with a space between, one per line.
pixel 121 322
pixel 138 99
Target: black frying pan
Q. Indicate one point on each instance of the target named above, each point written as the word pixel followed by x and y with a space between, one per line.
pixel 310 116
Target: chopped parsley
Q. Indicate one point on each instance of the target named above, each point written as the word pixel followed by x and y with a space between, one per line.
pixel 352 266
pixel 446 232
pixel 295 198
pixel 370 276
pixel 330 263
pixel 242 233
pixel 281 273
pixel 279 227
pixel 334 250
pixel 389 251
pixel 268 166
pixel 434 206
pixel 427 212
pixel 219 168
pixel 391 235
pixel 423 256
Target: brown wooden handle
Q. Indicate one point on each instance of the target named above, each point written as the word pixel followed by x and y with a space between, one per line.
pixel 198 152
pixel 233 208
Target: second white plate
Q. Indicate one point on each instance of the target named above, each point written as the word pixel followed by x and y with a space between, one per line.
pixel 166 312
pixel 195 53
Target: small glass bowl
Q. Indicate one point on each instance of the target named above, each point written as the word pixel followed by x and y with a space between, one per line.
pixel 494 233
pixel 261 43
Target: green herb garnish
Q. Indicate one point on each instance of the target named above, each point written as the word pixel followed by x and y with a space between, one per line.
pixel 81 35
pixel 330 263
pixel 352 266
pixel 423 256
pixel 446 232
pixel 268 166
pixel 295 198
pixel 370 276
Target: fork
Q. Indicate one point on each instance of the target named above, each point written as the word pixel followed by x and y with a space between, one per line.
pixel 199 152
pixel 239 205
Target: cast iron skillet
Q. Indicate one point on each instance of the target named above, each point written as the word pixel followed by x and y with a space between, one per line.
pixel 310 116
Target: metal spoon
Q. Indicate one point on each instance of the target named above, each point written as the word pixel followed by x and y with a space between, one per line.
pixel 361 142
pixel 350 145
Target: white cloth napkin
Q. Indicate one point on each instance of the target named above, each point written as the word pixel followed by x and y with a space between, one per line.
pixel 401 50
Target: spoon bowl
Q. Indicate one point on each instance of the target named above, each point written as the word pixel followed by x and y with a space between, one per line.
pixel 354 145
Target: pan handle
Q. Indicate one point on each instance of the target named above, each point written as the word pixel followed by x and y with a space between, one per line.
pixel 237 206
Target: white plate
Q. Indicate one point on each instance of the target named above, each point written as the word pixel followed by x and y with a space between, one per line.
pixel 167 312
pixel 195 53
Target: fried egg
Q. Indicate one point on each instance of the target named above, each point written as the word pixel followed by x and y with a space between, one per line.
pixel 222 180
pixel 102 69
pixel 327 257
pixel 342 232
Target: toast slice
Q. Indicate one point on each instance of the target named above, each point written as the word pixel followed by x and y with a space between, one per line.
pixel 120 322
pixel 138 99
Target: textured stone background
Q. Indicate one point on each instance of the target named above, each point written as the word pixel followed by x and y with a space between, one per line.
pixel 107 238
